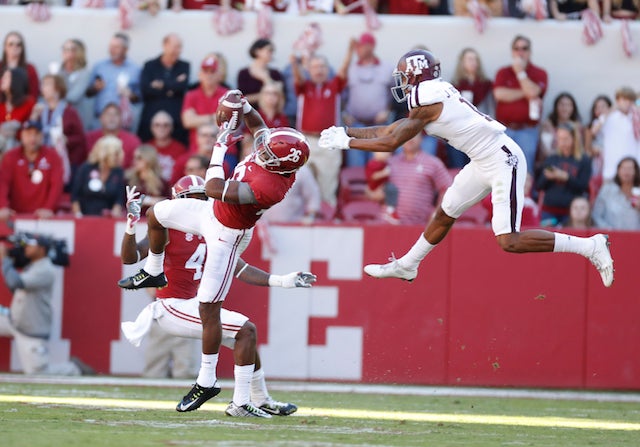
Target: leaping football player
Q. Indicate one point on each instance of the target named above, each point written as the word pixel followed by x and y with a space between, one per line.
pixel 257 183
pixel 497 165
pixel 176 307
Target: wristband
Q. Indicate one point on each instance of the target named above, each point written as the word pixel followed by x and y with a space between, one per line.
pixel 275 281
pixel 214 172
pixel 522 75
pixel 130 228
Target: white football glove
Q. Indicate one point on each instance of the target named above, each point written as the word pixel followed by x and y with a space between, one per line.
pixel 226 136
pixel 294 279
pixel 334 138
pixel 134 208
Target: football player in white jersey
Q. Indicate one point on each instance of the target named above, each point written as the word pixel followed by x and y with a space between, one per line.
pixel 497 165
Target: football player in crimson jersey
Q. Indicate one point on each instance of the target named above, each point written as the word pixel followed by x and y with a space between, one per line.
pixel 176 309
pixel 497 165
pixel 258 182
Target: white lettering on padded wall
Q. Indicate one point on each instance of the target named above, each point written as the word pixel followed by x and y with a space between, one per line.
pixel 288 353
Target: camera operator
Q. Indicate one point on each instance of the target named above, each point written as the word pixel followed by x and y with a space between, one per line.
pixel 29 319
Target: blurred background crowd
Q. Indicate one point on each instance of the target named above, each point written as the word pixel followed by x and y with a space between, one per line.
pixel 72 138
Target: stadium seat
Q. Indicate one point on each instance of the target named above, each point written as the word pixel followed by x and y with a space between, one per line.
pixel 362 211
pixel 326 213
pixel 353 183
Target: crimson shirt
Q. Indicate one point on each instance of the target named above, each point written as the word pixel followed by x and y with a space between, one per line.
pixel 268 188
pixel 24 190
pixel 168 156
pixel 202 105
pixel 517 112
pixel 184 258
pixel 319 105
pixel 19 113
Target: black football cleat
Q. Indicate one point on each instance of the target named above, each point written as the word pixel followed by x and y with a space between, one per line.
pixel 143 280
pixel 196 397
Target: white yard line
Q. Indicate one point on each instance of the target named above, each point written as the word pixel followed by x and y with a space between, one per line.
pixel 408 390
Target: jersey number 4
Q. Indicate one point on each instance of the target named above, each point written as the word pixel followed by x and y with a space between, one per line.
pixel 196 261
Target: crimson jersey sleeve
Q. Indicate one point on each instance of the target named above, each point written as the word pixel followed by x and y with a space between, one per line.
pixel 268 188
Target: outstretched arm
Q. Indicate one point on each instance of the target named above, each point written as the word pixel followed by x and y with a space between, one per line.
pixel 381 138
pixel 257 277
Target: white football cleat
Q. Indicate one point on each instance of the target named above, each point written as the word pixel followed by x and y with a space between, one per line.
pixel 601 258
pixel 392 269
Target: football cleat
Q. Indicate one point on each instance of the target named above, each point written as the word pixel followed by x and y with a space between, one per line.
pixel 278 408
pixel 392 269
pixel 246 410
pixel 142 280
pixel 601 258
pixel 196 397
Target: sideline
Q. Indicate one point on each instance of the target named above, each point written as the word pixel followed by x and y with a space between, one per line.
pixel 484 419
pixel 357 388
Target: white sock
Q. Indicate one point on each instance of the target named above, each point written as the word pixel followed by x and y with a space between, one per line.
pixel 242 389
pixel 259 391
pixel 154 263
pixel 416 254
pixel 207 375
pixel 565 243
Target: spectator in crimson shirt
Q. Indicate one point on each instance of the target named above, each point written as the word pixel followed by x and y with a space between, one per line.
pixel 15 104
pixel 14 54
pixel 200 105
pixel 30 176
pixel 169 149
pixel 519 89
pixel 111 124
pixel 319 108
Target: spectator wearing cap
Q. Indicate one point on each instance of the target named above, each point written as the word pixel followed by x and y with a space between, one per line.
pixel 200 104
pixel 258 73
pixel 164 82
pixel 368 93
pixel 29 319
pixel 30 176
pixel 319 108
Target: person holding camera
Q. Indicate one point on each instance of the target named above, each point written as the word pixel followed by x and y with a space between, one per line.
pixel 29 319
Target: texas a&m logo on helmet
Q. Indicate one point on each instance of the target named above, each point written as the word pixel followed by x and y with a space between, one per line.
pixel 413 68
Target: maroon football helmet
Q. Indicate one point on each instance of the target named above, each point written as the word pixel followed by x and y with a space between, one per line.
pixel 413 68
pixel 187 185
pixel 283 150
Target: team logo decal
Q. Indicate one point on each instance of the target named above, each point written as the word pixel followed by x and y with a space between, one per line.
pixel 416 63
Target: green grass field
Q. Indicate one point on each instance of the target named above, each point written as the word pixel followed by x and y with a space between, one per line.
pixel 54 415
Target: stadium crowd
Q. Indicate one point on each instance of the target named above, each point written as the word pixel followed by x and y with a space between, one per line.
pixel 73 138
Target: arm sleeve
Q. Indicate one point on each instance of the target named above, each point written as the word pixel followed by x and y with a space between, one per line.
pixel 6 174
pixel 56 185
pixel 580 183
pixel 79 87
pixel 36 278
pixel 11 276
